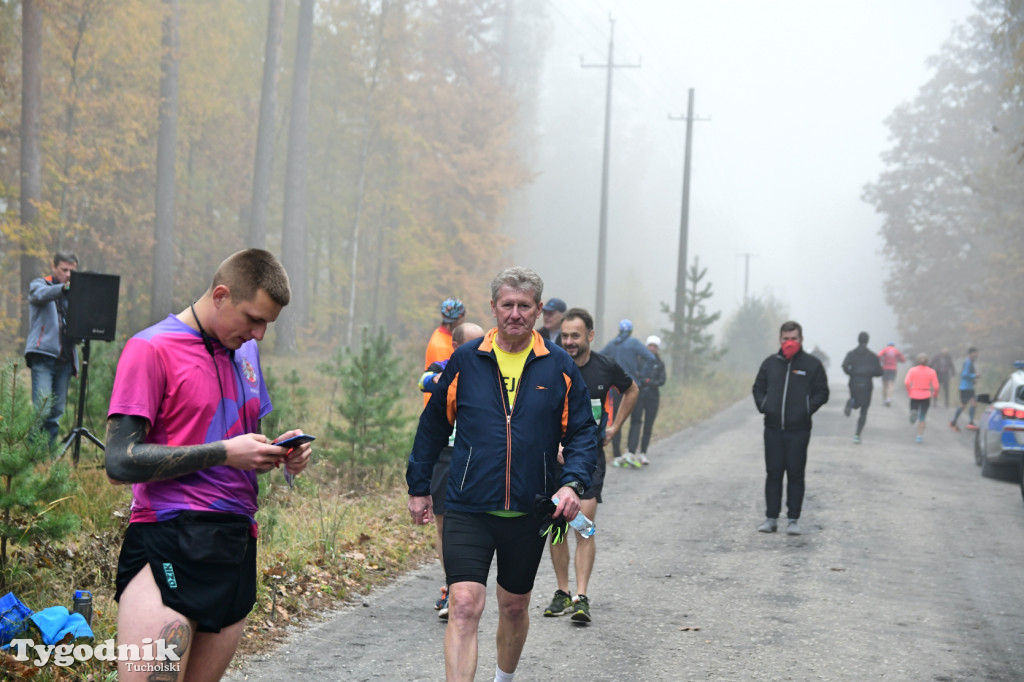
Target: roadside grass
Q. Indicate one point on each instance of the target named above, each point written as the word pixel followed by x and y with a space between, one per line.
pixel 683 406
pixel 342 530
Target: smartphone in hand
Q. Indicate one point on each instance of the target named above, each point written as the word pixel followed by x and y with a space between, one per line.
pixel 295 441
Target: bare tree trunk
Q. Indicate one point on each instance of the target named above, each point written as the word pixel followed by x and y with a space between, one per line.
pixel 264 163
pixel 31 158
pixel 293 237
pixel 364 156
pixel 162 301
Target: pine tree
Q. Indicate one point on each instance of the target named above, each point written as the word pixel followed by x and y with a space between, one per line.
pixel 697 342
pixel 32 487
pixel 375 430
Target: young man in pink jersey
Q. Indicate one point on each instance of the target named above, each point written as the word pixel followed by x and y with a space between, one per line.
pixel 189 442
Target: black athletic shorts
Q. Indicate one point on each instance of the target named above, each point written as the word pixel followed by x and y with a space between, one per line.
pixel 593 491
pixel 920 405
pixel 888 375
pixel 471 540
pixel 439 480
pixel 203 562
pixel 966 394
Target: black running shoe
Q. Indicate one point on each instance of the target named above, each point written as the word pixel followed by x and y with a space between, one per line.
pixel 581 609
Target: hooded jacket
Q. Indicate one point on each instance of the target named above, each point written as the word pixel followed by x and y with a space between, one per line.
pixel 627 351
pixel 504 456
pixel 788 392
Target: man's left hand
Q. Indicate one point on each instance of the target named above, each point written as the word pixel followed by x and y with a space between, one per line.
pixel 420 509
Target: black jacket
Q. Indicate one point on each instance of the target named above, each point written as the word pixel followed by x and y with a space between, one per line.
pixel 862 365
pixel 652 375
pixel 788 392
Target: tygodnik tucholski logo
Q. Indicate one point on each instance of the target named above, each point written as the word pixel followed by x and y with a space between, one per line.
pixel 152 656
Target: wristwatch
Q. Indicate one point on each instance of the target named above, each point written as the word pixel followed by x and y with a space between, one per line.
pixel 575 486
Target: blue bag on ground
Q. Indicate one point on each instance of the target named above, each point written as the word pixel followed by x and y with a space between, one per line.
pixel 14 618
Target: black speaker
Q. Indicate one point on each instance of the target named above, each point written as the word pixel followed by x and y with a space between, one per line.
pixel 92 305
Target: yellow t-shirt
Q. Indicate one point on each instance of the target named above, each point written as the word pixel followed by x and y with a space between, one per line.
pixel 511 367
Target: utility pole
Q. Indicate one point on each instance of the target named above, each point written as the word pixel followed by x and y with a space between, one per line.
pixel 746 274
pixel 680 347
pixel 602 238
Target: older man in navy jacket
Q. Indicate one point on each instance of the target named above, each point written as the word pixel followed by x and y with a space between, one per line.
pixel 518 399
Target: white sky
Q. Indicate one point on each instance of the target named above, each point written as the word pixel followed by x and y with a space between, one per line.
pixel 797 92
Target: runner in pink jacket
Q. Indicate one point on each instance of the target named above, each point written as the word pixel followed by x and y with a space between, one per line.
pixel 922 385
pixel 890 358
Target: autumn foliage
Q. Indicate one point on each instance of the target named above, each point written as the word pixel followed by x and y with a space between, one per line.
pixel 412 114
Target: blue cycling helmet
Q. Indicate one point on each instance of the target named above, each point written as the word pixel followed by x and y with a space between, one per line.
pixel 452 309
pixel 625 326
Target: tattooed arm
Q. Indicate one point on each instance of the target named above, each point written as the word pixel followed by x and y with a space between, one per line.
pixel 130 460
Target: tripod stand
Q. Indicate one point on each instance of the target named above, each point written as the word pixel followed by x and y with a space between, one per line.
pixel 80 431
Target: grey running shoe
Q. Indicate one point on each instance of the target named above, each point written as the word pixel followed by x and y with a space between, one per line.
pixel 560 605
pixel 581 609
pixel 642 458
pixel 769 526
pixel 793 528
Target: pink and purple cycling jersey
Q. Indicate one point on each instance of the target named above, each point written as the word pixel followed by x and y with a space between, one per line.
pixel 167 377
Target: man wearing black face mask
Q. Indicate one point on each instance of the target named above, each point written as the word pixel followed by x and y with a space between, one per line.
pixel 790 386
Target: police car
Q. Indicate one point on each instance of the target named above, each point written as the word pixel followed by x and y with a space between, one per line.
pixel 999 440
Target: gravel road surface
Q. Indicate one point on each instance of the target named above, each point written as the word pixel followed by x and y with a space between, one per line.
pixel 909 568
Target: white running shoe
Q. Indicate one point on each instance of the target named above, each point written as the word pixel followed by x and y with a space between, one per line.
pixel 629 461
pixel 642 458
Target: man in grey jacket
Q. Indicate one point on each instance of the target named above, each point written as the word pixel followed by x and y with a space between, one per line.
pixel 49 351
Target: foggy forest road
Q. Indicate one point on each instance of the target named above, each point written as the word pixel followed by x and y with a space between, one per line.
pixel 908 569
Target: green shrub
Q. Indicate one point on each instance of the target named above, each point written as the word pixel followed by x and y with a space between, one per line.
pixel 34 489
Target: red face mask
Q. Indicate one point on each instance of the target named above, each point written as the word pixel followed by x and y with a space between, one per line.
pixel 790 348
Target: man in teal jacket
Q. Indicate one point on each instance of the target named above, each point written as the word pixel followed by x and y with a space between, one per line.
pixel 518 400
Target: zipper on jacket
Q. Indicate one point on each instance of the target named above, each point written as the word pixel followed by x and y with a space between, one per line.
pixel 507 409
pixel 785 390
pixel 465 472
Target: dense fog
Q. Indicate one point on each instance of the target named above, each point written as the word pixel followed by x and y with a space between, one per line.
pixel 792 98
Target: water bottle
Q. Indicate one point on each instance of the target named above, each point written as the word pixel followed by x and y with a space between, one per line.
pixel 83 605
pixel 584 526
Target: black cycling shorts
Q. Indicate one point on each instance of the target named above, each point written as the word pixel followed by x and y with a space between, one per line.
pixel 203 562
pixel 471 540
pixel 439 480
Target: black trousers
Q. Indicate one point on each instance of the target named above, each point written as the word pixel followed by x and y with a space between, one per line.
pixel 860 399
pixel 646 411
pixel 785 453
